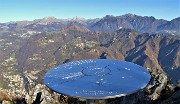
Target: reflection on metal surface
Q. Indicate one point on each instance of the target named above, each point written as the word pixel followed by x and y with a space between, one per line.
pixel 97 78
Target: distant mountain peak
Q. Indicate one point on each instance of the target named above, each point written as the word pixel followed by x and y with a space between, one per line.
pixel 130 14
pixel 49 18
pixel 78 18
pixel 108 16
pixel 46 20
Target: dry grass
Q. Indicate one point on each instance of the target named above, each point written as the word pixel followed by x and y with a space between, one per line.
pixel 5 96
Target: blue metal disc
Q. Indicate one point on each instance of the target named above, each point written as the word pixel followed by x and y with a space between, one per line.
pixel 97 78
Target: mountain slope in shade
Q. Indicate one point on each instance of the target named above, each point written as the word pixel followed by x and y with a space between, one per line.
pixel 171 25
pixel 139 23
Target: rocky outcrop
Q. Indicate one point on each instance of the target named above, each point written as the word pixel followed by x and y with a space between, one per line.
pixel 149 95
pixel 157 84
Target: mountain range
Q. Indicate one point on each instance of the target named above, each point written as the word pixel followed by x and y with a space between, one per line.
pixel 30 48
pixel 108 23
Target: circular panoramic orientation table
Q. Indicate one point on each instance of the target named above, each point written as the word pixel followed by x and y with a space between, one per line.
pixel 97 78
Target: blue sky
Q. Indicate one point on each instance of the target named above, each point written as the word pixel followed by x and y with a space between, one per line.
pixel 15 10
